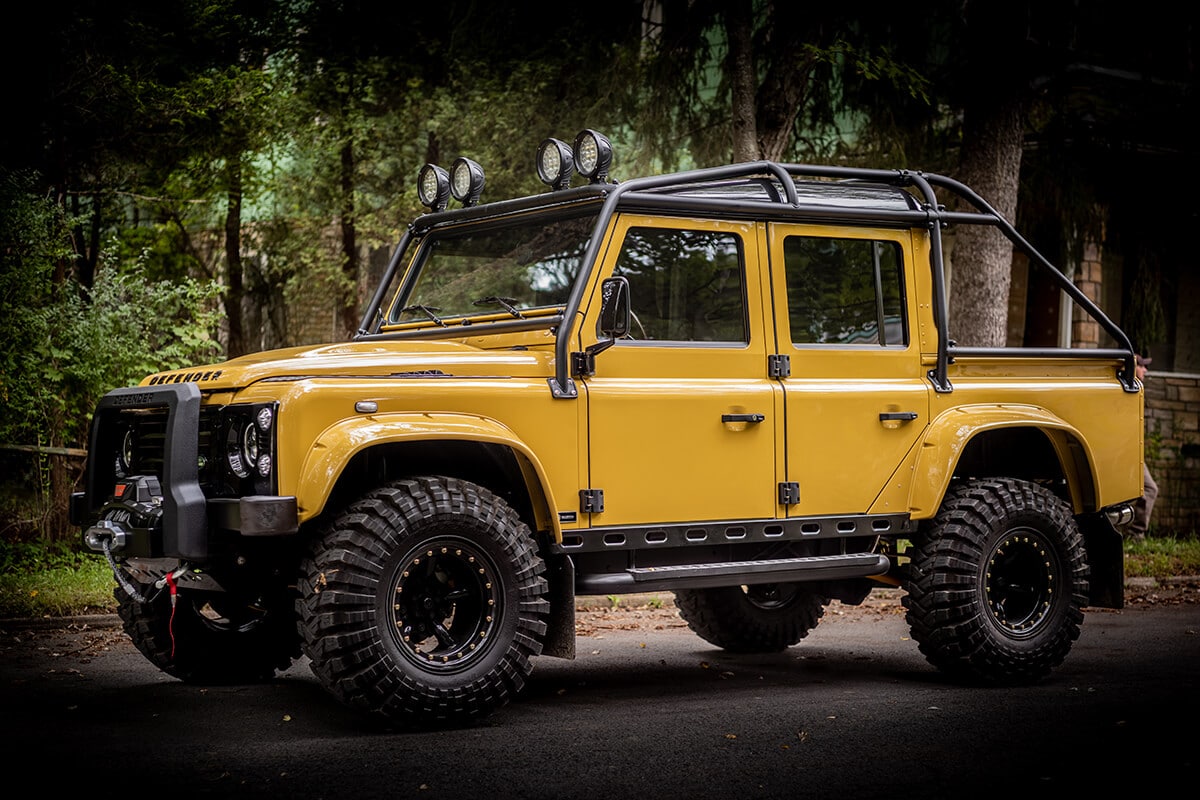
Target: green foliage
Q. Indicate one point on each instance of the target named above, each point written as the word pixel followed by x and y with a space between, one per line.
pixel 63 346
pixel 32 244
pixel 52 579
pixel 78 344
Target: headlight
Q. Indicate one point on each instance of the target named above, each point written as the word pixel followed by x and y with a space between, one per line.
pixel 235 452
pixel 248 446
pixel 433 187
pixel 466 181
pixel 126 453
pixel 555 164
pixel 593 155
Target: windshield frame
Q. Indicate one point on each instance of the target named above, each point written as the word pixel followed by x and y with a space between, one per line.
pixel 398 284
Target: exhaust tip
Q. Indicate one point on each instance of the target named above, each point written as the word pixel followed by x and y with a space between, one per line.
pixel 1120 515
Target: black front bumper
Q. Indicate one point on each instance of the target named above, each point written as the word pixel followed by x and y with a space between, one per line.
pixel 182 518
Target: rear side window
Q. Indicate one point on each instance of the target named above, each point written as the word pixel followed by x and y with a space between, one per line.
pixel 685 285
pixel 845 291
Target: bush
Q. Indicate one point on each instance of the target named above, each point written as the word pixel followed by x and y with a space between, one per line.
pixel 63 345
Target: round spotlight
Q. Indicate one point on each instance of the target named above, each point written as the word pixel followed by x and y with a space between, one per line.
pixel 555 164
pixel 433 187
pixel 466 181
pixel 593 155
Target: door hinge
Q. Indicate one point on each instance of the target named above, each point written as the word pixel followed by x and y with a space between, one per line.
pixel 779 366
pixel 591 501
pixel 789 493
pixel 583 364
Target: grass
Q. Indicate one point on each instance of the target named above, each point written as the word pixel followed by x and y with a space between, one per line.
pixel 1162 557
pixel 49 580
pixel 40 580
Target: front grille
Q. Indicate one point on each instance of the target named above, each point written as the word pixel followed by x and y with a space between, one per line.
pixel 149 429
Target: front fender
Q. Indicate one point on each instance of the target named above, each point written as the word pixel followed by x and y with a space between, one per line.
pixel 949 434
pixel 338 444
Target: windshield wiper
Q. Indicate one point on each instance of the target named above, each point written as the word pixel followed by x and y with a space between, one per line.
pixel 507 302
pixel 426 310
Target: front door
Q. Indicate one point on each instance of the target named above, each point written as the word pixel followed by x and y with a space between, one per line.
pixel 682 418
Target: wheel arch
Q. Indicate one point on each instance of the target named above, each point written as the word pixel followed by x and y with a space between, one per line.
pixel 356 455
pixel 1025 442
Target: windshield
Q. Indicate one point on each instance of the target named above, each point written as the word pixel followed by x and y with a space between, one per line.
pixel 497 272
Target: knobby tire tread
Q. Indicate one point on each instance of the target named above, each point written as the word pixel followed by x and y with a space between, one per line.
pixel 945 606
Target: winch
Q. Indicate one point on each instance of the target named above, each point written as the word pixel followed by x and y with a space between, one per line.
pixel 136 506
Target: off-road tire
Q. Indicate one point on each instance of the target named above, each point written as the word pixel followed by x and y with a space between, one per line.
pixel 424 603
pixel 212 638
pixel 761 618
pixel 997 583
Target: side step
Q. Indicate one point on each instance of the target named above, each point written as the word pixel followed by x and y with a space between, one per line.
pixel 734 573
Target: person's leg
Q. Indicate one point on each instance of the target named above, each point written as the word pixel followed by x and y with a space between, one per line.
pixel 1143 506
pixel 1149 493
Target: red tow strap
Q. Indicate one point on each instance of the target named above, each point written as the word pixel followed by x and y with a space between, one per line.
pixel 171 623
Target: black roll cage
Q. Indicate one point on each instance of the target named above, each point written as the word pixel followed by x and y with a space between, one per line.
pixel 650 193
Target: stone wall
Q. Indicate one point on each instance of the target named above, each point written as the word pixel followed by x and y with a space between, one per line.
pixel 1173 451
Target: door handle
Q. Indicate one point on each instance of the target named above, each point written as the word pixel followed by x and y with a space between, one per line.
pixel 902 416
pixel 755 418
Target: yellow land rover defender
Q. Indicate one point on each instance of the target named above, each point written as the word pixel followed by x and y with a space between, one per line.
pixel 736 384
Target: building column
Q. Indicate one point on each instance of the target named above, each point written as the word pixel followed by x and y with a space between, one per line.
pixel 1085 331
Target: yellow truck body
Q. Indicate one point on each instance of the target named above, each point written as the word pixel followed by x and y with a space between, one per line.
pixel 736 384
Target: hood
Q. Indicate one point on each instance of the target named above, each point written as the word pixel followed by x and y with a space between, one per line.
pixel 361 360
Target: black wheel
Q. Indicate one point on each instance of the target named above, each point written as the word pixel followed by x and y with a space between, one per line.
pixel 760 618
pixel 997 583
pixel 213 638
pixel 424 603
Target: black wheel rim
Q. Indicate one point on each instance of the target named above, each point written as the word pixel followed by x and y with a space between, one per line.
pixel 769 596
pixel 1020 582
pixel 445 605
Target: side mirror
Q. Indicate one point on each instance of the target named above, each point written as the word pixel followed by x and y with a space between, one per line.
pixel 615 316
pixel 614 308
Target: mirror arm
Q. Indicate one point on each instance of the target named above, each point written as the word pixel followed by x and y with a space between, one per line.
pixel 583 364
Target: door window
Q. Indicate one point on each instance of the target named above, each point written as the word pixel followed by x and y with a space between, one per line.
pixel 845 291
pixel 685 285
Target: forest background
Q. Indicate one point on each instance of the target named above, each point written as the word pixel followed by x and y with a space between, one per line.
pixel 182 182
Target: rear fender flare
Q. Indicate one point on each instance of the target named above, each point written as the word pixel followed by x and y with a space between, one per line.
pixel 949 435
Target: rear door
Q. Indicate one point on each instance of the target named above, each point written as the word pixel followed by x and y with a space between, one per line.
pixel 856 397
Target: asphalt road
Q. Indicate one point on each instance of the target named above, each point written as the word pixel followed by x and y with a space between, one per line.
pixel 647 711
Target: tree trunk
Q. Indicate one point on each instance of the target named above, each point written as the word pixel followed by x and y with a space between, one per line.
pixel 234 288
pixel 990 163
pixel 785 87
pixel 350 258
pixel 739 27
